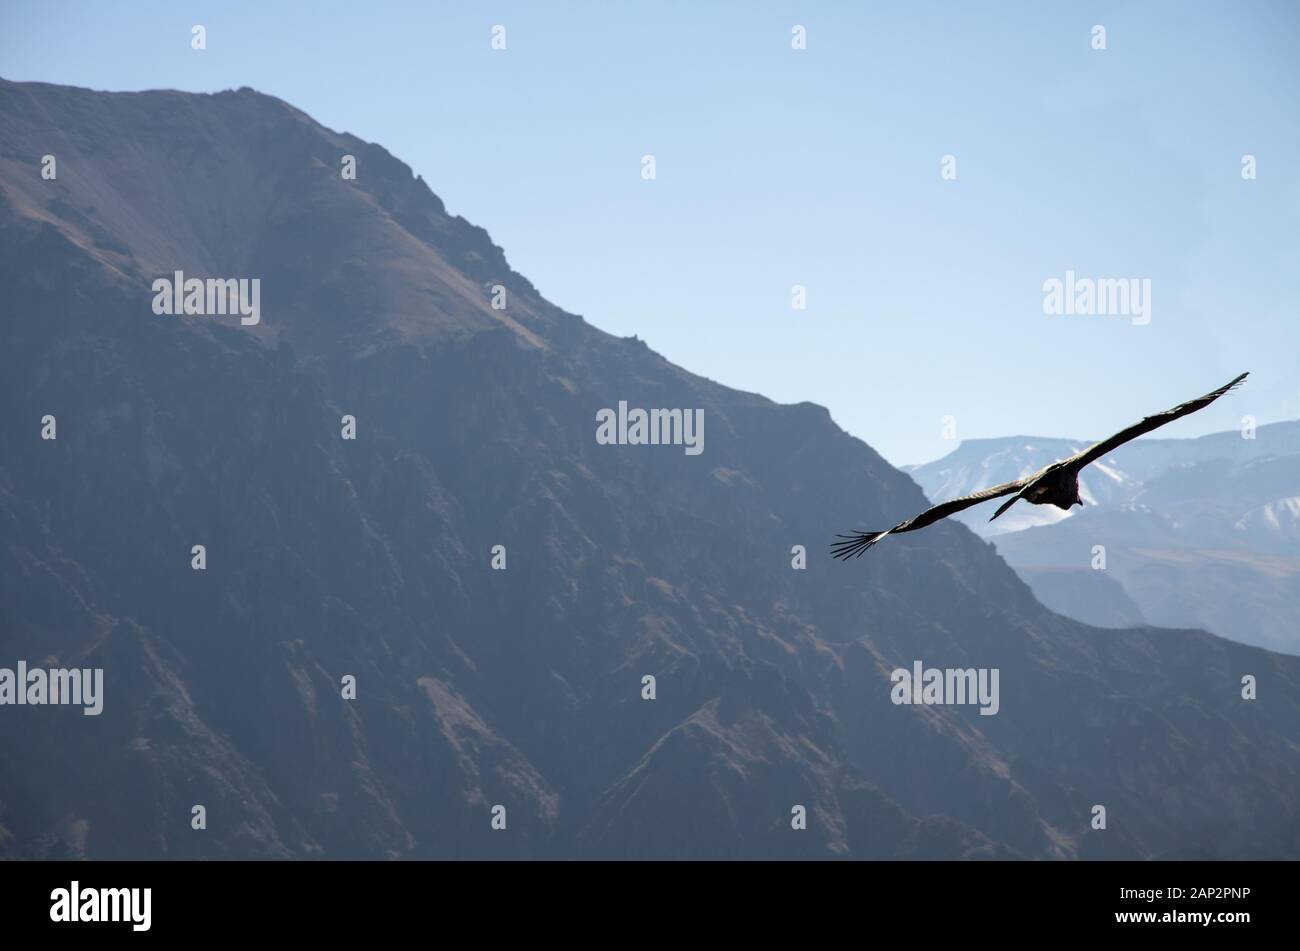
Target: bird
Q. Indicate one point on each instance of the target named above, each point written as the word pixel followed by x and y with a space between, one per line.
pixel 1056 484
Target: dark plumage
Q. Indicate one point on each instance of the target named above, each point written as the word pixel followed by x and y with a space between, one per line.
pixel 1056 484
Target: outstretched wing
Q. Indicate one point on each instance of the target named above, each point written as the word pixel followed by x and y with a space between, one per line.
pixel 1098 450
pixel 953 506
pixel 859 542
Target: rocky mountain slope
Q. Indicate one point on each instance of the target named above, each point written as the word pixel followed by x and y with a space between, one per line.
pixel 522 687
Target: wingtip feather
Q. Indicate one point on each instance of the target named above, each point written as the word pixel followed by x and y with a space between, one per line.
pixel 855 545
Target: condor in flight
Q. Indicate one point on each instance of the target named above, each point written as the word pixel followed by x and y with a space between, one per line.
pixel 1057 484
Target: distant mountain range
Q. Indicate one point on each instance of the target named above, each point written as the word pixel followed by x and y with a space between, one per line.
pixel 1197 532
pixel 500 583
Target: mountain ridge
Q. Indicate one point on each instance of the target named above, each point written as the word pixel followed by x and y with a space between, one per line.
pixel 519 687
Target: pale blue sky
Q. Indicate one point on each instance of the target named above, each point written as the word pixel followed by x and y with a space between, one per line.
pixel 821 167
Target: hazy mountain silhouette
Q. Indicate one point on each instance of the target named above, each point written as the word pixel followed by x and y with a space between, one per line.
pixel 1198 532
pixel 478 687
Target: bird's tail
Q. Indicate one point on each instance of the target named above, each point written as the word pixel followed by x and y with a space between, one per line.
pixel 1006 505
pixel 855 544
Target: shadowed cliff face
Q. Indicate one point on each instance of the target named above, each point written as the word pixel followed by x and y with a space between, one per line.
pixel 519 687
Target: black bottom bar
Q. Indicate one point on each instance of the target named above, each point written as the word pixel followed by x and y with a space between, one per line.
pixel 332 900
